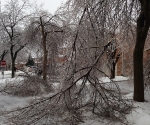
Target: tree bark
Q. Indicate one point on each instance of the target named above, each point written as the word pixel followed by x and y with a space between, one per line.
pixel 12 61
pixel 45 60
pixel 115 60
pixel 13 68
pixel 142 31
pixel 113 70
pixel 44 35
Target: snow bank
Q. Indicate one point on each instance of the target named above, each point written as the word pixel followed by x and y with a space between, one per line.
pixel 141 114
pixel 116 79
pixel 7 77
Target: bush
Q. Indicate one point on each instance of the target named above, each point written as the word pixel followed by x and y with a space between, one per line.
pixel 30 86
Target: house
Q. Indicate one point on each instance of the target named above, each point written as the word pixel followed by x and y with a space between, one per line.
pixel 124 65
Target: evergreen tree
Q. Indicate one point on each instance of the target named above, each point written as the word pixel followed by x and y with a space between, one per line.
pixel 30 61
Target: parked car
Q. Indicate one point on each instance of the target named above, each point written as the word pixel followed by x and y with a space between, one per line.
pixel 33 69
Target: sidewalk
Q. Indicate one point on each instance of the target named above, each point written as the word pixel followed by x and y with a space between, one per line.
pixel 7 74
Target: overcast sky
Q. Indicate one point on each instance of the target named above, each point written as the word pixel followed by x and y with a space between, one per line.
pixel 50 5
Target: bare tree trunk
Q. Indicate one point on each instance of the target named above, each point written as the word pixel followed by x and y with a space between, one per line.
pixel 44 35
pixel 142 30
pixel 13 68
pixel 45 60
pixel 115 59
pixel 113 70
pixel 12 62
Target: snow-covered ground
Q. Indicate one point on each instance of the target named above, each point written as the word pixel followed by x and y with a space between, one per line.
pixel 116 79
pixel 7 74
pixel 139 116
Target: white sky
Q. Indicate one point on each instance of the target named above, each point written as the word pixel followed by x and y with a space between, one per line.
pixel 49 5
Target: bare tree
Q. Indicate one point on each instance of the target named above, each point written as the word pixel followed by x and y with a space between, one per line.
pixel 113 56
pixel 11 23
pixel 44 26
pixel 143 24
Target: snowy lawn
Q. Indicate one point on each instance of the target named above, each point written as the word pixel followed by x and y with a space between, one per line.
pixel 116 79
pixel 140 114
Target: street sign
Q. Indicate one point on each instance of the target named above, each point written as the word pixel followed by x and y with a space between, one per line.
pixel 3 63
